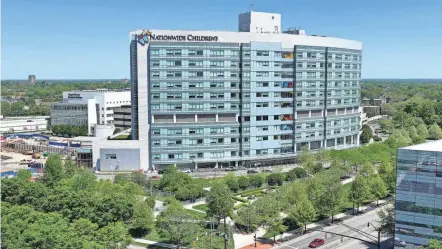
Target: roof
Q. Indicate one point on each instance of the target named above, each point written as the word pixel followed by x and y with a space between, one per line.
pixel 428 146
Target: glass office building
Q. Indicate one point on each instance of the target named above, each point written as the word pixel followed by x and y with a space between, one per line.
pixel 211 99
pixel 419 194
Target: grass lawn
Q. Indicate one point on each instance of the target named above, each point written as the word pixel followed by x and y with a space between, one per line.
pixel 202 207
pixel 121 137
pixel 155 236
pixel 196 214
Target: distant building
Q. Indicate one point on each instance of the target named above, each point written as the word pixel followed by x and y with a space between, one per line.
pixel 122 117
pixel 89 108
pixel 31 79
pixel 419 194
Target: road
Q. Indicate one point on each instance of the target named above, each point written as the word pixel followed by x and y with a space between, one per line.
pixel 334 241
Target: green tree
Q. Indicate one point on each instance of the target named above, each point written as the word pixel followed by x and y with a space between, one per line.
pixel 142 219
pixel 307 159
pixel 275 179
pixel 176 224
pixel 243 182
pixel 219 202
pixel 388 175
pixel 139 178
pixel 366 135
pixel 378 188
pixel 422 131
pixel 435 132
pixel 24 174
pixel 232 182
pixel 331 200
pixel 303 213
pixel 276 227
pixel 359 192
pixel 70 167
pixel 121 178
pixel 300 172
pixel 53 170
pixel 367 170
pixel 434 244
pixel 256 180
pixel 386 125
pixel 387 221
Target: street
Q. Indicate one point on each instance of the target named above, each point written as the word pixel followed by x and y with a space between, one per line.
pixel 334 241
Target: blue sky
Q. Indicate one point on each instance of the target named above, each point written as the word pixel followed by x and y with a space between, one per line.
pixel 89 39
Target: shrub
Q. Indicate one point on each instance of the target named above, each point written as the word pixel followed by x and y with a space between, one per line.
pixel 240 205
pixel 275 179
pixel 300 172
pixel 243 182
pixel 236 198
pixel 377 138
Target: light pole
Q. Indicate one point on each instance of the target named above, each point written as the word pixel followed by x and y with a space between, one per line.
pixel 379 233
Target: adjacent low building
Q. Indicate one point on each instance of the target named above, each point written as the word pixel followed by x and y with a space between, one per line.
pixel 89 108
pixel 419 194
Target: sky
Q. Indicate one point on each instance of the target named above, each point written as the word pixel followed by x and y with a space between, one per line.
pixel 89 39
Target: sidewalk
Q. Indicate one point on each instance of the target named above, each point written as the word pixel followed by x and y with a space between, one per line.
pixel 191 205
pixel 150 242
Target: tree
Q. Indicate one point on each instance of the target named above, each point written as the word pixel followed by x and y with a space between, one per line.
pixel 388 175
pixel 142 219
pixel 219 202
pixel 139 178
pixel 300 172
pixel 275 227
pixel 176 224
pixel 121 178
pixel 434 244
pixel 303 213
pixel 53 170
pixel 243 182
pixel 331 200
pixel 387 220
pixel 378 188
pixel 232 182
pixel 422 131
pixel 256 180
pixel 386 125
pixel 307 159
pixel 435 132
pixel 366 134
pixel 275 179
pixel 24 174
pixel 367 170
pixel 359 191
pixel 70 167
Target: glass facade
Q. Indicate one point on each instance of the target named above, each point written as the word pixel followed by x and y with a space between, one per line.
pixel 418 197
pixel 218 104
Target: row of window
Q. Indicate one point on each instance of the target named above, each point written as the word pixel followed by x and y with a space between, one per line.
pixel 193 63
pixel 248 84
pixel 194 52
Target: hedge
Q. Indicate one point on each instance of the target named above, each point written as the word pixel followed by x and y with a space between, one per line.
pixel 244 200
pixel 259 191
pixel 240 205
pixel 250 190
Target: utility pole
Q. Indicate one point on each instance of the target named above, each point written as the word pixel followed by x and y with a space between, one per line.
pixel 378 229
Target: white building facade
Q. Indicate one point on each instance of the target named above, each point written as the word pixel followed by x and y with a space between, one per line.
pixel 89 108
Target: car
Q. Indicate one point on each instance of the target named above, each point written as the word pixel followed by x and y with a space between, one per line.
pixel 231 169
pixel 267 171
pixel 252 171
pixel 186 170
pixel 400 243
pixel 316 243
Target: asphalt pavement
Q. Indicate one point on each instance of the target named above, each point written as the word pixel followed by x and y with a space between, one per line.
pixel 338 242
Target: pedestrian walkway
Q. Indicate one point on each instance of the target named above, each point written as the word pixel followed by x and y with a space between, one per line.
pixel 150 242
pixel 191 205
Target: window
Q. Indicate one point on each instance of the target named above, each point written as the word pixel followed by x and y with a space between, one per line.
pixel 262 118
pixel 195 52
pixel 217 74
pixel 233 140
pixel 262 94
pixel 155 74
pixel 262 53
pixel 311 55
pixel 217 52
pixel 196 106
pixel 195 63
pixel 173 63
pixel 262 104
pixel 110 156
pixel 155 63
pixel 195 85
pixel 216 63
pixel 233 153
pixel 173 51
pixel 262 63
pixel 262 128
pixel 276 64
pixel 262 74
pixel 262 84
pixel 155 52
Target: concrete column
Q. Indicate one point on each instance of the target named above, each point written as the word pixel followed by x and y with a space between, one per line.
pixel 236 163
pixel 196 165
pixel 352 140
pixel 216 118
pixel 336 143
pixel 336 112
pixel 309 143
pixel 345 142
pixel 196 118
pixel 174 118
pixel 309 114
pixel 357 140
pixel 153 119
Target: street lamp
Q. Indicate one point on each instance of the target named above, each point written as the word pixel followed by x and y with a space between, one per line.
pixel 379 233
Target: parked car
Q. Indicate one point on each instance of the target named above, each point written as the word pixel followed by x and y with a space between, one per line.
pixel 186 170
pixel 400 243
pixel 231 169
pixel 267 171
pixel 316 243
pixel 252 171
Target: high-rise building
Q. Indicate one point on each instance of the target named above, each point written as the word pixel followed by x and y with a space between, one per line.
pixel 31 79
pixel 211 98
pixel 418 195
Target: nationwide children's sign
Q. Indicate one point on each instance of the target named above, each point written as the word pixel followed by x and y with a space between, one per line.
pixel 144 37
